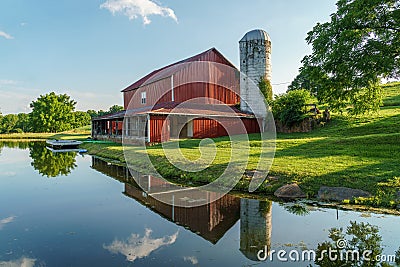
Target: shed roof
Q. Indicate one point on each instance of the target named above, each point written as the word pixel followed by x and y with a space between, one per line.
pixel 187 109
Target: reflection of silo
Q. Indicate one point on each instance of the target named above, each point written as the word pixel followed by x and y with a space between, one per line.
pixel 255 226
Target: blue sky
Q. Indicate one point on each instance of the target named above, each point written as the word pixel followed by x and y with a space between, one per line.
pixel 92 49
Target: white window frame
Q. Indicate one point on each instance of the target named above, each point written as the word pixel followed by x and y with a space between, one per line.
pixel 143 98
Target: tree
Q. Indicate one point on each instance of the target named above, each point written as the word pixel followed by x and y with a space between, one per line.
pixel 24 122
pixel 266 89
pixel 115 108
pixel 351 53
pixel 92 113
pixel 8 123
pixel 81 118
pixel 52 113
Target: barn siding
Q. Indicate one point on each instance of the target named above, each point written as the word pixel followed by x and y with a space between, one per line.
pixel 209 128
pixel 157 132
pixel 203 127
pixel 209 92
pixel 159 91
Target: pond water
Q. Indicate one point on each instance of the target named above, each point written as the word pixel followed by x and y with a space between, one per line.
pixel 73 210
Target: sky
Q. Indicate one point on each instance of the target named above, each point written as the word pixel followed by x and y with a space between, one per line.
pixel 93 49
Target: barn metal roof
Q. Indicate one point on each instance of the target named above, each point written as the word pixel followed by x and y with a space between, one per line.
pixel 212 55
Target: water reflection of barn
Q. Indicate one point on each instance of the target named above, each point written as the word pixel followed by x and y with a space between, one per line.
pixel 209 221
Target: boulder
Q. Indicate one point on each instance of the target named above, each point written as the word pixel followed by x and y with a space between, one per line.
pixel 290 191
pixel 340 193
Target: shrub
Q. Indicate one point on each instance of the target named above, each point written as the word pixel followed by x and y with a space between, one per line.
pixel 291 108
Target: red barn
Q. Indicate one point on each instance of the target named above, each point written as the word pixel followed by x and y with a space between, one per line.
pixel 193 98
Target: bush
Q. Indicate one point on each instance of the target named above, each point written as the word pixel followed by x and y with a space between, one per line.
pixel 291 108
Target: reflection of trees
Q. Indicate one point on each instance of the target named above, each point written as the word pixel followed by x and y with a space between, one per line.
pixel 15 144
pixel 358 238
pixel 297 208
pixel 51 164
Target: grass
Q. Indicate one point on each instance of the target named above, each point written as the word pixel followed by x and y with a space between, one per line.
pixel 81 133
pixel 356 152
pixel 391 94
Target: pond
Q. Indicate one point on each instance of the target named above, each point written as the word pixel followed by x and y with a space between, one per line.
pixel 76 210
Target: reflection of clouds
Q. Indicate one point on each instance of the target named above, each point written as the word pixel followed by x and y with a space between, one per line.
pixel 137 247
pixel 23 262
pixel 5 221
pixel 192 259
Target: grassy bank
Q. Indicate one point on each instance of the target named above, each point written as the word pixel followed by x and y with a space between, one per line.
pixel 76 134
pixel 361 153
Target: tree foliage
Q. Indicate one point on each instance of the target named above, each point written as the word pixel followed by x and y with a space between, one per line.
pixel 24 122
pixel 351 53
pixel 291 107
pixel 80 119
pixel 8 123
pixel 115 108
pixel 52 113
pixel 266 89
pixel 111 110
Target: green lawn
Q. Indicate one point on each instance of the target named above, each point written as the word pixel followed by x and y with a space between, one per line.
pixel 391 94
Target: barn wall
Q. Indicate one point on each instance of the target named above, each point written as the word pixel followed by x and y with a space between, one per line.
pixel 209 128
pixel 159 91
pixel 157 132
pixel 206 90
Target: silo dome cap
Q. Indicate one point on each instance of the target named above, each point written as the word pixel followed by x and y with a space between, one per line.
pixel 256 35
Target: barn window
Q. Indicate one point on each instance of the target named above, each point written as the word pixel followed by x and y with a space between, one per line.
pixel 143 98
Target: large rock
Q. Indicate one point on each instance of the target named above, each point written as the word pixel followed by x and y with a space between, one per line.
pixel 340 193
pixel 290 191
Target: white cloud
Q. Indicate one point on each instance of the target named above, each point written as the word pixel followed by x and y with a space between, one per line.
pixel 8 82
pixel 9 174
pixel 137 247
pixel 5 35
pixel 135 8
pixel 192 259
pixel 23 262
pixel 15 100
pixel 5 221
